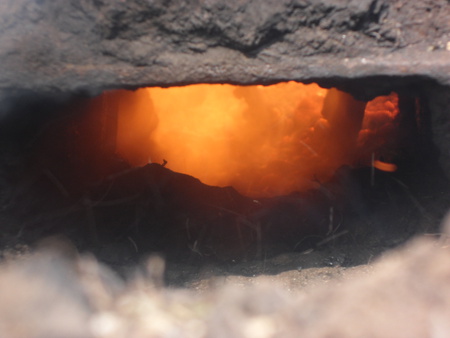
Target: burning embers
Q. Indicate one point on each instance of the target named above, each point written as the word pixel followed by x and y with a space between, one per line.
pixel 262 140
pixel 288 150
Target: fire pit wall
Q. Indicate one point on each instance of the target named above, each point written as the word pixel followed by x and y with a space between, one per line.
pixel 367 48
pixel 53 51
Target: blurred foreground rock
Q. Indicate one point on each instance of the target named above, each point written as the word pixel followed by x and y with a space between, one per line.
pixel 407 294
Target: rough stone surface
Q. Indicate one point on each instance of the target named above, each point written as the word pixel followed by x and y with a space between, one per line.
pixel 439 106
pixel 91 45
pixel 405 294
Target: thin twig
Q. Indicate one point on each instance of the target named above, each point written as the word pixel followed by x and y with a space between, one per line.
pixel 372 171
pixel 258 240
pixel 188 231
pixel 305 238
pixel 414 200
pixel 330 225
pixel 333 237
pixel 133 243
pixel 56 182
pixel 91 224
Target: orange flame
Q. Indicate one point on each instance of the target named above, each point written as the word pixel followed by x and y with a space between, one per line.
pixel 262 140
pixel 384 166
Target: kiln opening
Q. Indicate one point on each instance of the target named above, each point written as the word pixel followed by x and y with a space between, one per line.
pixel 221 172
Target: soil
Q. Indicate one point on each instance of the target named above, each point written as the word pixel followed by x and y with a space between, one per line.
pixel 207 233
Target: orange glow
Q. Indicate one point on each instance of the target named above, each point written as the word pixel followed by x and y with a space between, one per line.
pixel 246 137
pixel 389 167
pixel 379 132
pixel 262 140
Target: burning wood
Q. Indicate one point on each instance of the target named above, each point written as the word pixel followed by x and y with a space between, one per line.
pixel 263 141
pixel 384 166
pixel 286 141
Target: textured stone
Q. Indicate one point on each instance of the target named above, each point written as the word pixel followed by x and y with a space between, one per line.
pixel 91 45
pixel 404 294
pixel 439 106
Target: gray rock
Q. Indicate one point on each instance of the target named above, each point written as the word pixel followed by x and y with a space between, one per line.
pixel 91 45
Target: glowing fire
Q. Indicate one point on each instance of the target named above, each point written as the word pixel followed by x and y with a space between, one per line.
pixel 262 140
